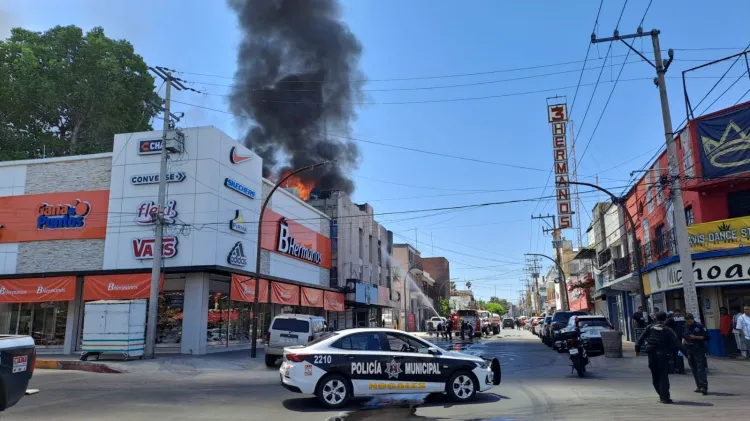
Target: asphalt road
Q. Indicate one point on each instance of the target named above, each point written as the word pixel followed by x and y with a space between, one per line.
pixel 537 385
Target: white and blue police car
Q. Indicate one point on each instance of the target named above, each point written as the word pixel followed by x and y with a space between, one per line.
pixel 372 361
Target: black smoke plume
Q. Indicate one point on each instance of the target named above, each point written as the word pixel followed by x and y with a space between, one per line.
pixel 298 78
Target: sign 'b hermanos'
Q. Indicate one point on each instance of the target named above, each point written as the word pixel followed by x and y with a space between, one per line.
pixel 288 245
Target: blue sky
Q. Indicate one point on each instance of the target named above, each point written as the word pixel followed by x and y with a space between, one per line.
pixel 421 38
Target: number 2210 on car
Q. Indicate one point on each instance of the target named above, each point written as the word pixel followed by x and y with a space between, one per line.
pixel 364 362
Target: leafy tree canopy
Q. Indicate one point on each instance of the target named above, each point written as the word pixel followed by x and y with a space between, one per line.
pixel 64 92
pixel 495 308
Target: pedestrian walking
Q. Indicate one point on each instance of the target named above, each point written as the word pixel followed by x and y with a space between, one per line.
pixel 518 324
pixel 694 339
pixel 660 342
pixel 725 328
pixel 676 322
pixel 449 329
pixel 743 329
pixel 639 318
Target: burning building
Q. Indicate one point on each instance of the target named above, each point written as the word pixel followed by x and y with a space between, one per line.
pixel 298 78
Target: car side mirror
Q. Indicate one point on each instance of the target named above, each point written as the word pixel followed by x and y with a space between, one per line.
pixel 434 351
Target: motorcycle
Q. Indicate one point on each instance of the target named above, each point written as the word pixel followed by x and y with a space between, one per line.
pixel 579 359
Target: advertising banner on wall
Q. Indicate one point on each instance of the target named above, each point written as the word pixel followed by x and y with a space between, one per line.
pixel 725 234
pixel 558 118
pixel 284 294
pixel 724 143
pixel 118 287
pixel 38 290
pixel 311 297
pixel 243 289
pixel 333 301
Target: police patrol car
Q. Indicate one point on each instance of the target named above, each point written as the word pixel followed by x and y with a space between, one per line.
pixel 369 361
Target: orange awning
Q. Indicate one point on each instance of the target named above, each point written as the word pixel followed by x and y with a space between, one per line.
pixel 243 289
pixel 311 297
pixel 284 294
pixel 118 287
pixel 333 301
pixel 38 290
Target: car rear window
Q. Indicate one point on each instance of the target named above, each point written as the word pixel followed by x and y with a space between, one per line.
pixel 291 325
pixel 602 322
pixel 564 316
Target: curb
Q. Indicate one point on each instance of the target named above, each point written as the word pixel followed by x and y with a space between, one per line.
pixel 74 365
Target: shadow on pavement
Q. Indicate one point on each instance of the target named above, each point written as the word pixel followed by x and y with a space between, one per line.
pixel 438 399
pixel 722 394
pixel 312 405
pixel 690 403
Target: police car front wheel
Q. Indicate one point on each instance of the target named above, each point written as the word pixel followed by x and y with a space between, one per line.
pixel 462 386
pixel 334 391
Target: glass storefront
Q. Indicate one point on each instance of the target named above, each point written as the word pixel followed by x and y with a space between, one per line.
pixel 169 322
pixel 45 322
pixel 217 330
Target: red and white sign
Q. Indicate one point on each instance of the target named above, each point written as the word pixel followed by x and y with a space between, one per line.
pixel 558 117
pixel 38 290
pixel 146 212
pixel 243 289
pixel 143 248
pixel 20 363
pixel 236 157
pixel 118 287
pixel 333 301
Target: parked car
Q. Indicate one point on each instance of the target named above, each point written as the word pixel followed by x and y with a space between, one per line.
pixel 432 324
pixel 508 322
pixel 543 327
pixel 590 329
pixel 17 359
pixel 289 330
pixel 559 320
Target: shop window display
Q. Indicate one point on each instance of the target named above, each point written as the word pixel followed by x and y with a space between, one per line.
pixel 169 322
pixel 218 317
pixel 45 322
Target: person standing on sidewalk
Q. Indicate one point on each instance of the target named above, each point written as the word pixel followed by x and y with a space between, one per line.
pixel 743 328
pixel 694 338
pixel 677 323
pixel 660 342
pixel 639 318
pixel 725 328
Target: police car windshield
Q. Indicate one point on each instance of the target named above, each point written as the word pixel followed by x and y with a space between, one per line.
pixel 322 337
pixel 291 325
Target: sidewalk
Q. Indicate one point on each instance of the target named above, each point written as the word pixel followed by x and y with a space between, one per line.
pixel 174 363
pixel 630 363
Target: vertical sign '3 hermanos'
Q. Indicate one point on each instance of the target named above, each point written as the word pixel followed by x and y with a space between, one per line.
pixel 558 117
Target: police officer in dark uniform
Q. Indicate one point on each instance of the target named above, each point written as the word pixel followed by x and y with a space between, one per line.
pixel 660 342
pixel 694 338
pixel 677 322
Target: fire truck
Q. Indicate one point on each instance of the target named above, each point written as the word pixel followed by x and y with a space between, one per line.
pixel 469 316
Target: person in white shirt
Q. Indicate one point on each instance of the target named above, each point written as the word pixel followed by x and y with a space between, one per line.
pixel 743 327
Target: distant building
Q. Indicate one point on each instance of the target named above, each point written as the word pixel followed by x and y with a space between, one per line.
pixel 439 269
pixel 461 300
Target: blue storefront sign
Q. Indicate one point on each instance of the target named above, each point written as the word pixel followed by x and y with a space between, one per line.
pixel 239 188
pixel 360 294
pixel 724 143
pixel 373 295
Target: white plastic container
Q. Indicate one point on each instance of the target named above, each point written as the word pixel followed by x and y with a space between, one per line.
pixel 115 326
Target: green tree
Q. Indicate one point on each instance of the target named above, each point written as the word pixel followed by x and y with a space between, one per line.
pixel 64 92
pixel 468 284
pixel 444 307
pixel 496 308
pixel 481 304
pixel 453 285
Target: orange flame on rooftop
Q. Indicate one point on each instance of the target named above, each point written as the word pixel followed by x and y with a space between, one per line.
pixel 304 187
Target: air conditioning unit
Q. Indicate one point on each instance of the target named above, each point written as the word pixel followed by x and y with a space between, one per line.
pixel 175 141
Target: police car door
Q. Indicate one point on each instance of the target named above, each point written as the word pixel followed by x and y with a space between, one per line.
pixel 410 368
pixel 362 358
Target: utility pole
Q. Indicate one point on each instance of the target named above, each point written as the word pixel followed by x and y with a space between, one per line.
pixel 678 206
pixel 557 244
pixel 153 299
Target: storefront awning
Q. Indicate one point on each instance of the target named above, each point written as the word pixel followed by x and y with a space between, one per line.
pixel 118 287
pixel 38 290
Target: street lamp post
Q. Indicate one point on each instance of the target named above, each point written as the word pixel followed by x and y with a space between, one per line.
pixel 559 269
pixel 620 201
pixel 254 339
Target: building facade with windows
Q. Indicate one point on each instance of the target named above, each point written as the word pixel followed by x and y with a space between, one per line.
pixel 81 228
pixel 714 155
pixel 361 261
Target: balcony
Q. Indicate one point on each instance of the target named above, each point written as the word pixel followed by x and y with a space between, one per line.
pixel 662 246
pixel 604 257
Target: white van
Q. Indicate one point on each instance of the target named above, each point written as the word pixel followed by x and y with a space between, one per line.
pixel 289 330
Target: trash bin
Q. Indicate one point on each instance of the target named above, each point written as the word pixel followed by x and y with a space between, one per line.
pixel 612 342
